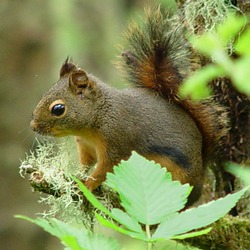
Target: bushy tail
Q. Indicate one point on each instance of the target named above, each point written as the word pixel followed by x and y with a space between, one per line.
pixel 157 57
pixel 157 53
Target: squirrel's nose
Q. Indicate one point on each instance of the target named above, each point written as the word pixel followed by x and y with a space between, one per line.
pixel 33 125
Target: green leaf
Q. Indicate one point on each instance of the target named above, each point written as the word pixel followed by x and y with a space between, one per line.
pixel 242 172
pixel 98 241
pixel 71 242
pixel 109 224
pixel 196 86
pixel 77 238
pixel 242 45
pixel 58 229
pixel 146 191
pixel 91 198
pixel 45 224
pixel 116 214
pixel 198 217
pixel 230 28
pixel 207 43
pixel 172 245
pixel 222 59
pixel 126 220
pixel 241 74
pixel 193 234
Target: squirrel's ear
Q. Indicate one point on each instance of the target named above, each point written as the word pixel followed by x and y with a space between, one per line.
pixel 79 83
pixel 67 68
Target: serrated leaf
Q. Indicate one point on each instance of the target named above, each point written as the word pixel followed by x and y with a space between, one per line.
pixel 77 238
pixel 145 190
pixel 58 229
pixel 131 224
pixel 173 245
pixel 97 241
pixel 198 217
pixel 91 198
pixel 45 224
pixel 109 224
pixel 126 220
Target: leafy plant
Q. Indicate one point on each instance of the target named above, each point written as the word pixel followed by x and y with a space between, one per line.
pixel 74 237
pixel 150 199
pixel 215 45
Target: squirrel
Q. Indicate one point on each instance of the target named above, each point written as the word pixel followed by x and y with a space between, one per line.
pixel 149 117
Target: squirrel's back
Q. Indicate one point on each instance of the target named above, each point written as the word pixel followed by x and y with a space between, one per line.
pixel 169 131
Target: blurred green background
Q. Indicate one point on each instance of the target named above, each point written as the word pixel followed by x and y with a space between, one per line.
pixel 35 38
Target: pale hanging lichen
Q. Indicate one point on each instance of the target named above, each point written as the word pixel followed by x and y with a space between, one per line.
pixel 203 16
pixel 51 166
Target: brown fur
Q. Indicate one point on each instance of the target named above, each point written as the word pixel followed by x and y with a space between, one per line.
pixel 91 149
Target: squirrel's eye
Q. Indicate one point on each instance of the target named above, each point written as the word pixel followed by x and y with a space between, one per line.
pixel 58 109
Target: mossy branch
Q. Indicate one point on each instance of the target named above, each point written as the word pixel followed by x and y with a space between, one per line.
pixel 228 233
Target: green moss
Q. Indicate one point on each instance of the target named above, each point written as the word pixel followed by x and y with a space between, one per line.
pixel 228 233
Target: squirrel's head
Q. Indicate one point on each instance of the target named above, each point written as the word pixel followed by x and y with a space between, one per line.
pixel 69 105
